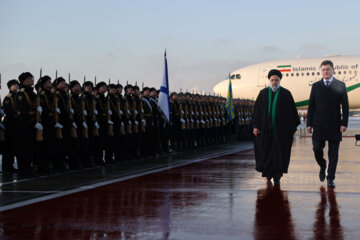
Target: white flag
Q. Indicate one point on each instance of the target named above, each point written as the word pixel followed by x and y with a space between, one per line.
pixel 164 93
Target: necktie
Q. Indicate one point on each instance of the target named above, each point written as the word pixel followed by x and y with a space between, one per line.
pixel 327 82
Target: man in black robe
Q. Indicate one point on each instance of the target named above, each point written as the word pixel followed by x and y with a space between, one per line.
pixel 274 121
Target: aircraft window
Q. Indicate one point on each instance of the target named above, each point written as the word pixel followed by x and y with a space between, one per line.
pixel 350 72
pixel 344 72
pixel 287 74
pixel 339 72
pixel 334 72
pixel 238 76
pixel 297 74
pixel 318 73
pixel 307 74
pixel 292 74
pixel 302 74
pixel 232 76
pixel 313 73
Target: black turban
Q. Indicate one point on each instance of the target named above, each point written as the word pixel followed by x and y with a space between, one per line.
pixel 12 82
pixel 274 72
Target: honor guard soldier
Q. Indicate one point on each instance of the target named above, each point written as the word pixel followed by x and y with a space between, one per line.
pixel 116 118
pixel 81 148
pixel 156 119
pixel 91 118
pixel 10 126
pixel 130 122
pixel 49 151
pixel 175 121
pixel 66 123
pixel 106 126
pixel 26 124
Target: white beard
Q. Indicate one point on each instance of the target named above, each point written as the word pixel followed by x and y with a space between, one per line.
pixel 275 88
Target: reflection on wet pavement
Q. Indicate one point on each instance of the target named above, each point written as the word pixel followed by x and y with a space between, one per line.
pixel 220 198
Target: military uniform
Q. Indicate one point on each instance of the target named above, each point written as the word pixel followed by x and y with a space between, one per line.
pixel 25 131
pixel 10 120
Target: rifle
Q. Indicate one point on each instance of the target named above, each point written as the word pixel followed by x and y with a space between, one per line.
pixel 73 129
pixel 136 124
pixel 122 128
pixel 2 131
pixel 182 113
pixel 56 117
pixel 108 118
pixel 142 120
pixel 85 130
pixel 39 133
pixel 95 130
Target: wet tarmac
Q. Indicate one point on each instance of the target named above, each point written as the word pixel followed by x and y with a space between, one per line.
pixel 222 197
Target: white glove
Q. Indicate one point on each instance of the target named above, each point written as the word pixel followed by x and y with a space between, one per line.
pixel 192 120
pixel 121 112
pixel 192 113
pixel 182 120
pixel 128 112
pixel 182 112
pixel 39 109
pixel 109 112
pixel 197 114
pixel 135 112
pixel 58 125
pixel 202 121
pixel 136 122
pixel 202 113
pixel 58 110
pixel 72 111
pixel 95 112
pixel 96 124
pixel 142 111
pixel 85 125
pixel 74 125
pixel 110 122
pixel 85 113
pixel 122 124
pixel 38 126
pixel 130 123
pixel 143 121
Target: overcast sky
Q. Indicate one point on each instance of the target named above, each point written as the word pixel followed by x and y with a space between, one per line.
pixel 205 39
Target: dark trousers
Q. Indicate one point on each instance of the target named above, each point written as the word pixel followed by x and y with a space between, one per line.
pixel 333 154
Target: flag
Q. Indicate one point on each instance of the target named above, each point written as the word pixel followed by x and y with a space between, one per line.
pixel 164 93
pixel 284 68
pixel 230 103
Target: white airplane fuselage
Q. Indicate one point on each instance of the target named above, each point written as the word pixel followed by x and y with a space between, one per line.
pixel 298 77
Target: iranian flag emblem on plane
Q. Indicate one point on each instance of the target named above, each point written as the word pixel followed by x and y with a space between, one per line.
pixel 284 68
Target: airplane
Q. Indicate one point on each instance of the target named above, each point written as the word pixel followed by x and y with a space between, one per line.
pixel 298 77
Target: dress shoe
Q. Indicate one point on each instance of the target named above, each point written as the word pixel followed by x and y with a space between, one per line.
pixel 331 183
pixel 322 174
pixel 276 181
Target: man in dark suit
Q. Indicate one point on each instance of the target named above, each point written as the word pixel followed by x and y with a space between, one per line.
pixel 324 117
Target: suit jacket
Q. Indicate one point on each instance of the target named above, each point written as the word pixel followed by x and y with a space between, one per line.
pixel 324 113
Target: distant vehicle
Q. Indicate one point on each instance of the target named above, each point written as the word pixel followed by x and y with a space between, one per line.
pixel 298 77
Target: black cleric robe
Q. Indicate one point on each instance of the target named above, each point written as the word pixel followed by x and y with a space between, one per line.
pixel 273 146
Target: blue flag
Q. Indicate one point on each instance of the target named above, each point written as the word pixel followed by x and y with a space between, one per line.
pixel 164 103
pixel 230 104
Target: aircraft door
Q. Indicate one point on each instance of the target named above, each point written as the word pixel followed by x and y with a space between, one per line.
pixel 262 77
